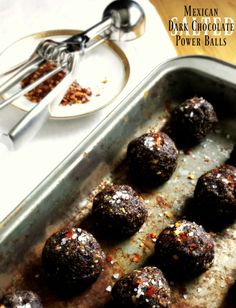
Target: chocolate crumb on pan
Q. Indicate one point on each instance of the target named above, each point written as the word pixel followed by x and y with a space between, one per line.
pixel 145 287
pixel 215 193
pixel 20 299
pixel 184 250
pixel 152 158
pixel 192 120
pixel 118 211
pixel 72 259
pixel 75 94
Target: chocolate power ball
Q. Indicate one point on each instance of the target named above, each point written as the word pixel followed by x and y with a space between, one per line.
pixel 118 211
pixel 184 250
pixel 215 192
pixel 18 299
pixel 145 287
pixel 192 120
pixel 152 158
pixel 72 258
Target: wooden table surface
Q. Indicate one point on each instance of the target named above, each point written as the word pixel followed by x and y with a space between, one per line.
pixel 226 8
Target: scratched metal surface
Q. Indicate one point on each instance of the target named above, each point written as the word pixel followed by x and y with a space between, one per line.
pixel 64 198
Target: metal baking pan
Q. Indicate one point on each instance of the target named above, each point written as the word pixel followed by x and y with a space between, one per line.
pixel 64 198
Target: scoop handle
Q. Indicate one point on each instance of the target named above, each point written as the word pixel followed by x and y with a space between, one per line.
pixel 32 122
pixel 79 41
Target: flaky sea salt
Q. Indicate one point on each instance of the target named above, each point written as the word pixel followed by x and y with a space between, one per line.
pixel 108 288
pixel 116 276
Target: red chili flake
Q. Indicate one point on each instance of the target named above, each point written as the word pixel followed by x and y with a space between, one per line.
pixel 150 291
pixel 136 258
pixel 138 282
pixel 230 178
pixel 231 182
pixel 152 235
pixel 183 236
pixel 108 259
pixel 69 234
pixel 192 246
pixel 215 170
pixel 156 136
pixel 74 95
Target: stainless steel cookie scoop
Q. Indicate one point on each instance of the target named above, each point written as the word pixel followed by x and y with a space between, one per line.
pixel 122 20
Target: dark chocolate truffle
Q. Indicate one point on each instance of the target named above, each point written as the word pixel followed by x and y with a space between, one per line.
pixel 146 287
pixel 215 192
pixel 152 157
pixel 72 258
pixel 18 299
pixel 118 211
pixel 192 120
pixel 184 249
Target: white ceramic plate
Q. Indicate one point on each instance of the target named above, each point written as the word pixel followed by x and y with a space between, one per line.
pixel 105 70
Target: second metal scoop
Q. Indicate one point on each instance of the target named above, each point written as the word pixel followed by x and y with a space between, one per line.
pixel 122 20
